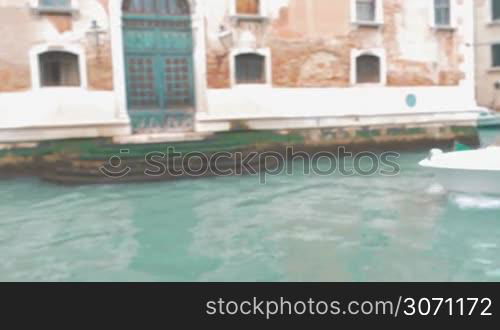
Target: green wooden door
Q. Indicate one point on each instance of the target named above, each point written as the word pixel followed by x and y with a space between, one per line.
pixel 158 46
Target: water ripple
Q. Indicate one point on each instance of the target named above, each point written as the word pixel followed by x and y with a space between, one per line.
pixel 299 227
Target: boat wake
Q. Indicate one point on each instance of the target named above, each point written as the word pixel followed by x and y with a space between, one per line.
pixel 485 202
pixel 436 189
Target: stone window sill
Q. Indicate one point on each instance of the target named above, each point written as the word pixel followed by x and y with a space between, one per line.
pixel 494 23
pixel 54 10
pixel 261 85
pixel 368 24
pixel 369 85
pixel 495 69
pixel 241 17
pixel 450 28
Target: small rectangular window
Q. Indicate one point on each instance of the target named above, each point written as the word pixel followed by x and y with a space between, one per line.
pixel 442 12
pixel 55 4
pixel 366 10
pixel 367 69
pixel 495 52
pixel 247 7
pixel 60 7
pixel 250 69
pixel 59 69
pixel 495 10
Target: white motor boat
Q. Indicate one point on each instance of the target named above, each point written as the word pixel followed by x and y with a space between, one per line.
pixel 472 171
pixel 488 119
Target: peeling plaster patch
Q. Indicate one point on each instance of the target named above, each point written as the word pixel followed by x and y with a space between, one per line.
pixel 304 51
pixel 22 29
pixel 486 33
pixel 417 54
pixel 90 11
pixel 61 23
pixel 414 34
pixel 319 69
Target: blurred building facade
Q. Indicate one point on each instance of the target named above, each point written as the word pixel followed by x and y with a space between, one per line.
pixel 94 68
pixel 487 47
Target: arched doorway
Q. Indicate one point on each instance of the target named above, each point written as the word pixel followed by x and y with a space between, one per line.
pixel 158 59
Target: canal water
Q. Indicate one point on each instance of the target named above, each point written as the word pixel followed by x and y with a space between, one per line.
pixel 294 228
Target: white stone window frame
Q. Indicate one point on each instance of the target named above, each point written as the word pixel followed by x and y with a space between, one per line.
pixel 264 52
pixel 77 50
pixel 262 15
pixel 453 17
pixel 379 15
pixel 39 9
pixel 378 52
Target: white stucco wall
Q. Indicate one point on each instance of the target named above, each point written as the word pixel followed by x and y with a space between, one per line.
pixel 284 108
pixel 59 113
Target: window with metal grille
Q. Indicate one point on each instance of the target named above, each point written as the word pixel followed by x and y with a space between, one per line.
pixel 366 10
pixel 367 69
pixel 59 69
pixel 495 53
pixel 495 10
pixel 442 12
pixel 153 7
pixel 250 69
pixel 56 4
pixel 55 7
pixel 247 7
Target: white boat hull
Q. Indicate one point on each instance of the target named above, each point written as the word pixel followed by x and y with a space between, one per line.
pixel 469 181
pixel 473 172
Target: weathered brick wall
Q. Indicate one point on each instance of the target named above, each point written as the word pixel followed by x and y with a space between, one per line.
pixel 22 29
pixel 217 69
pixel 17 38
pixel 317 53
pixel 14 77
pixel 100 66
pixel 486 34
pixel 100 63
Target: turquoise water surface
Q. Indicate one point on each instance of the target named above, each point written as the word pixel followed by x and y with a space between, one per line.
pixel 294 228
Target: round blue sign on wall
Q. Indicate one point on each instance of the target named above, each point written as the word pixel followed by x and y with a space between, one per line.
pixel 411 100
